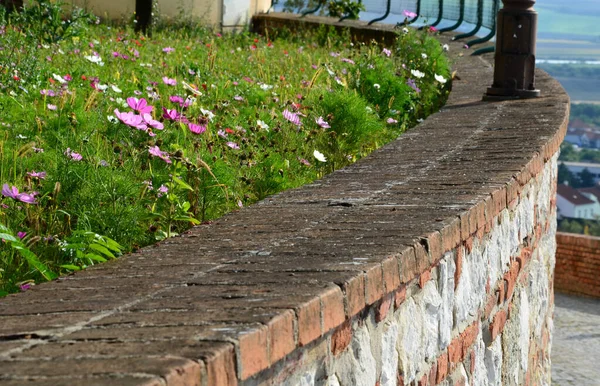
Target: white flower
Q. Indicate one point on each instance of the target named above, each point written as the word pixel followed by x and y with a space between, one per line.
pixel 377 86
pixel 145 64
pixel 417 73
pixel 115 89
pixel 59 78
pixel 189 87
pixel 445 47
pixel 207 113
pixel 329 71
pixel 424 55
pixel 440 78
pixel 319 156
pixel 262 125
pixel 101 87
pixel 95 59
pixel 265 86
pixel 122 102
pixel 404 30
pixel 112 119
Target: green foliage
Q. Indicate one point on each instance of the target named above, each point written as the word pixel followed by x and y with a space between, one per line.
pixel 582 227
pixel 261 104
pixel 345 8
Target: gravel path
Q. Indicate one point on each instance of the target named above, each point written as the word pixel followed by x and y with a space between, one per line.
pixel 576 341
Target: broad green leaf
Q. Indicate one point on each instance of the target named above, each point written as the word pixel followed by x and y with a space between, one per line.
pixel 102 249
pixel 95 257
pixel 71 267
pixel 186 218
pixel 182 184
pixel 8 237
pixel 34 262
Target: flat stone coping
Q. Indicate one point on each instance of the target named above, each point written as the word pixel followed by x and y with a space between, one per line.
pixel 227 300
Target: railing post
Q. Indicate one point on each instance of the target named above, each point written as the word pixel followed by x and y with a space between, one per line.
pixel 515 52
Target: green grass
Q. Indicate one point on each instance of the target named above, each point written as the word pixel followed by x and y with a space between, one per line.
pixel 255 122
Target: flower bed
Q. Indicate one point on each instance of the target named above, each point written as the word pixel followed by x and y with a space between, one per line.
pixel 114 140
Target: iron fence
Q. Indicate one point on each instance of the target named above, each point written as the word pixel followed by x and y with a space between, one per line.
pixel 473 14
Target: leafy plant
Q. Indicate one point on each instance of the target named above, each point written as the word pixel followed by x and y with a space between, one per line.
pixel 345 8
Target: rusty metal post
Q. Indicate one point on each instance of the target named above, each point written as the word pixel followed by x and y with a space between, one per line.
pixel 514 69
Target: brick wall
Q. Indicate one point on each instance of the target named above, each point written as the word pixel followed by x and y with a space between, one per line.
pixel 577 264
pixel 429 262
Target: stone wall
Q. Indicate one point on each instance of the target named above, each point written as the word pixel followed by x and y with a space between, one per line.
pixel 428 262
pixel 578 264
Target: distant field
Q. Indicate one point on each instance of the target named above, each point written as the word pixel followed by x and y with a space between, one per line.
pixel 552 21
pixel 565 49
pixel 581 90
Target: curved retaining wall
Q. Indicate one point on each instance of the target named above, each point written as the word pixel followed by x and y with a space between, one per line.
pixel 428 262
pixel 578 264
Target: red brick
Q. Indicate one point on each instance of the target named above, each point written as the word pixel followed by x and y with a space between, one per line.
pixel 434 247
pixel 464 225
pixel 455 351
pixel 468 337
pixel 399 296
pixel 332 308
pixel 499 197
pixel 220 368
pixel 442 368
pixel 424 381
pixel 391 274
pixel 469 244
pixel 472 364
pixel 459 258
pixel 451 235
pixel 512 193
pixel 374 284
pixel 433 374
pixel 524 257
pixel 421 257
pixel 354 293
pixel 282 339
pixel 186 374
pixel 492 300
pixel 480 210
pixel 253 351
pixel 383 307
pixel 473 220
pixel 341 338
pixel 489 214
pixel 408 265
pixel 498 323
pixel 309 321
pixel 424 278
pixel 510 278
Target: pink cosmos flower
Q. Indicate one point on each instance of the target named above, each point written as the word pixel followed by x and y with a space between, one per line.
pixel 321 122
pixel 169 81
pixel 74 156
pixel 196 129
pixel 233 145
pixel 13 192
pixel 221 133
pixel 348 60
pixel 140 105
pixel 409 14
pixel 292 117
pixel 176 99
pixel 387 52
pixel 238 98
pixel 173 115
pixel 21 235
pixel 152 122
pixel 25 287
pixel 156 152
pixel 131 119
pixel 391 121
pixel 162 190
pixel 51 107
pixel 168 49
pixel 34 174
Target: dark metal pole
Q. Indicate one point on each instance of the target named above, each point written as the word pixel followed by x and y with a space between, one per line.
pixel 515 52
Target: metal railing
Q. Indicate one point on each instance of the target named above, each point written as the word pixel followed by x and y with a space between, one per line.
pixel 477 13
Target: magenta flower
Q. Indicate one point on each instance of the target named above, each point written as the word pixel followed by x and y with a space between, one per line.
pixel 196 129
pixel 25 287
pixel 152 122
pixel 13 192
pixel 173 115
pixel 156 152
pixel 233 145
pixel 387 52
pixel 222 133
pixel 348 60
pixel 413 85
pixel 409 14
pixel 176 99
pixel 391 121
pixel 131 119
pixel 321 122
pixel 139 105
pixel 168 49
pixel 50 93
pixel 74 156
pixel 292 117
pixel 21 235
pixel 169 81
pixel 34 174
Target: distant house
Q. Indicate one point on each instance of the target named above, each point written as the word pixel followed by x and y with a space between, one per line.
pixel 573 203
pixel 583 137
pixel 577 167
